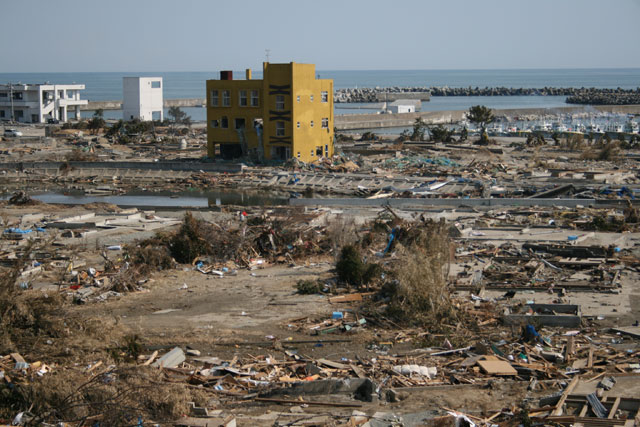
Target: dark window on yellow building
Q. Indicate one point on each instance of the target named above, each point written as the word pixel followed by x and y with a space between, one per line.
pixel 239 123
pixel 325 123
pixel 226 98
pixel 255 99
pixel 311 98
pixel 298 98
pixel 215 123
pixel 243 98
pixel 224 122
pixel 326 150
pixel 311 123
pixel 214 98
pixel 324 96
pixel 279 128
pixel 279 102
pixel 319 151
pixel 298 125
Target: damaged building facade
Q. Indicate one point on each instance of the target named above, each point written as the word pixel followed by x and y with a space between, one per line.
pixel 288 113
pixel 38 103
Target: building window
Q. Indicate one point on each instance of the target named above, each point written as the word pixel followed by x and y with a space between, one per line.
pixel 311 123
pixel 156 84
pixel 279 102
pixel 311 98
pixel 4 95
pixel 325 123
pixel 215 123
pixel 255 100
pixel 239 123
pixel 319 151
pixel 279 128
pixel 2 113
pixel 298 154
pixel 18 95
pixel 298 98
pixel 311 153
pixel 214 98
pixel 324 96
pixel 243 98
pixel 224 122
pixel 226 98
pixel 326 150
pixel 298 125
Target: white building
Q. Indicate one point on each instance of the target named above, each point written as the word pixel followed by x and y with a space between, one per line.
pixel 404 106
pixel 37 103
pixel 142 98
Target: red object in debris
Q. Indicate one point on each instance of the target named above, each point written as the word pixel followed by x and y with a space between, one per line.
pixel 75 287
pixel 244 213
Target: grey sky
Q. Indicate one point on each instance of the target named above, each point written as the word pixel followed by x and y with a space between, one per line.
pixel 204 35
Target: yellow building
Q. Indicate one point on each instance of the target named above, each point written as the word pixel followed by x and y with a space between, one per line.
pixel 289 113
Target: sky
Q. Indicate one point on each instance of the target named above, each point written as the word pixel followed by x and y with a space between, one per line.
pixel 206 35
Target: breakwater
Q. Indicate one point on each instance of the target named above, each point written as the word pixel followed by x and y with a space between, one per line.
pixel 117 104
pixel 593 96
pixel 606 97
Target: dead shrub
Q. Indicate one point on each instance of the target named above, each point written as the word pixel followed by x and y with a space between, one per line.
pixel 574 142
pixel 340 232
pixel 608 151
pixel 25 314
pixel 420 293
pixel 116 397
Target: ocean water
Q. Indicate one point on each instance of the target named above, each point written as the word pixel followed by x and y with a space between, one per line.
pixel 108 86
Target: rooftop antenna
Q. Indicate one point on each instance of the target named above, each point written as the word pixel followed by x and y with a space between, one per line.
pixel 266 53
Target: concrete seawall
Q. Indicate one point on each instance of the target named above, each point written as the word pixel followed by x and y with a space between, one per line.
pixel 373 121
pixel 117 105
pixel 173 166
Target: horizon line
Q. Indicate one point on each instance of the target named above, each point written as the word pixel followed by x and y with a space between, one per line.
pixel 339 70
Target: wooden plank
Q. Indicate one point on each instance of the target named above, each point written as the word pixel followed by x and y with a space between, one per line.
pixel 18 358
pixel 567 391
pixel 614 408
pixel 349 297
pixel 570 348
pixel 358 371
pixel 151 358
pixel 584 410
pixel 497 367
pixel 590 357
pixel 332 364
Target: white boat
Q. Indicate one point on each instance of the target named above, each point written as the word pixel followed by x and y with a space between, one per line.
pixel 577 128
pixel 495 130
pixel 542 127
pixel 594 128
pixel 614 128
pixel 631 127
pixel 560 127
